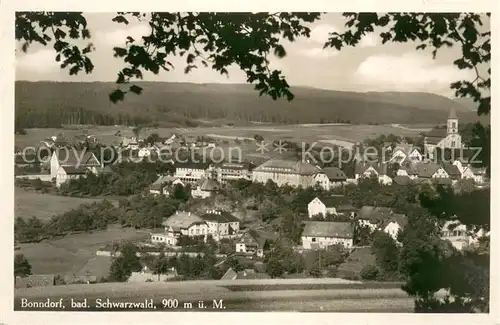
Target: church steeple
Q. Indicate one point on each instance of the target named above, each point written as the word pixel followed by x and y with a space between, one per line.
pixel 452 123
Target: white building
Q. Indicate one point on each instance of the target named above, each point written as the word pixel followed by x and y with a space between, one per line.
pixel 321 234
pixel 75 163
pixel 180 224
pixel 192 172
pixel 251 243
pixel 221 224
pixel 378 170
pixel 324 205
pixel 286 172
pixel 164 184
pixel 405 152
pixel 444 138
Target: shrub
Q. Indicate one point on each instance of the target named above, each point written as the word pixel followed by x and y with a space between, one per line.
pixel 369 272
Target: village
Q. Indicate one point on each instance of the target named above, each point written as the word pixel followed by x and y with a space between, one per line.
pixel 240 243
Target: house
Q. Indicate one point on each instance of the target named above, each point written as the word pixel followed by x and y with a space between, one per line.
pixel 286 172
pixel 66 173
pixel 144 152
pixel 251 243
pixel 334 177
pixel 79 162
pixel 129 143
pixel 192 172
pixel 159 149
pixel 247 274
pixel 373 217
pixel 444 137
pixel 321 234
pixel 378 170
pixel 170 140
pixel 230 171
pixel 205 188
pixel 163 185
pixel 430 170
pixel 147 275
pixel 180 224
pixel 221 224
pixel 453 171
pixel 479 174
pixel 456 233
pixel 324 205
pixel 394 224
pixel 405 152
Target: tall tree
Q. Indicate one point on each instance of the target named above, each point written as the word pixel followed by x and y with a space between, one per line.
pixel 122 266
pixel 21 266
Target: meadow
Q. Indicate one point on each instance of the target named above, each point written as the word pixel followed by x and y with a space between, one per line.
pixel 44 206
pixel 76 254
pixel 327 133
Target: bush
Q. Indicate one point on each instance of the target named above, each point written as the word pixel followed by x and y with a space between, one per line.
pixel 369 272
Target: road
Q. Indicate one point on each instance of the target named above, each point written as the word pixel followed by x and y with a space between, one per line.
pixel 305 295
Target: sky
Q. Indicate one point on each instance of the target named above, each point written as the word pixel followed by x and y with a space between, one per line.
pixel 370 66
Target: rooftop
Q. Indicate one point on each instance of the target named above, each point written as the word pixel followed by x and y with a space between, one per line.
pixel 219 216
pixel 374 214
pixel 328 229
pixel 288 166
pixel 182 219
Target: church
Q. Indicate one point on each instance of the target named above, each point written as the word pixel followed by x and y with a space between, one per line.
pixel 444 137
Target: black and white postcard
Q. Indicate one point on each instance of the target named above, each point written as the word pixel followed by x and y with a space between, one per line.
pixel 226 164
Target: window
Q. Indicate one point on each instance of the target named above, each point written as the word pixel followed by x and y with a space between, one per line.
pixel 454 125
pixel 453 144
pixel 313 240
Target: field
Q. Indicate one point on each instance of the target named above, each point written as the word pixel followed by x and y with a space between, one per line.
pixel 326 133
pixel 44 206
pixel 75 254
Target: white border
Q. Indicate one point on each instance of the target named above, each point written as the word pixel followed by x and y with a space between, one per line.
pixel 7 73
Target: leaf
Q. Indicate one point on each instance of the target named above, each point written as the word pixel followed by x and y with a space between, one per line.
pixel 119 52
pixel 130 40
pixel 59 34
pixel 120 19
pixel 136 89
pixel 279 51
pixel 116 96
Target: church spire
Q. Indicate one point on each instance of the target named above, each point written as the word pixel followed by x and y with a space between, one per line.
pixel 453 113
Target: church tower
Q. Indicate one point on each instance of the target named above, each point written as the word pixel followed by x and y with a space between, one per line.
pixel 452 123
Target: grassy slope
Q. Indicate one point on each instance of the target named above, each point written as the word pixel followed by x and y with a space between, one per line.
pixel 169 101
pixel 44 206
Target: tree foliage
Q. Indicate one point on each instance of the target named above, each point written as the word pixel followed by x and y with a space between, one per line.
pixel 21 266
pixel 218 40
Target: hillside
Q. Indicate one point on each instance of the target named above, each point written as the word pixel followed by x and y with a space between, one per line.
pixel 183 103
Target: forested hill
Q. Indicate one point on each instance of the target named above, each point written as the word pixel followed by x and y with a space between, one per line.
pixel 49 104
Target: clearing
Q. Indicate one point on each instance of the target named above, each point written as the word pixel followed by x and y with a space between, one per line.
pixel 76 254
pixel 45 206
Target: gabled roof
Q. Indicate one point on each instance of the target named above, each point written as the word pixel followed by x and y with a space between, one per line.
pixel 334 174
pixel 406 148
pixel 209 185
pixel 402 180
pixel 426 170
pixel 374 214
pixel 380 168
pixel 328 229
pixel 70 170
pixel 400 219
pixel 331 201
pixel 452 170
pixel 251 236
pixel 288 167
pixel 219 216
pixel 73 157
pixel 182 219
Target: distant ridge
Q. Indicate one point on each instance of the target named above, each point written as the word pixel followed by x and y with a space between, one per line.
pixel 180 103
